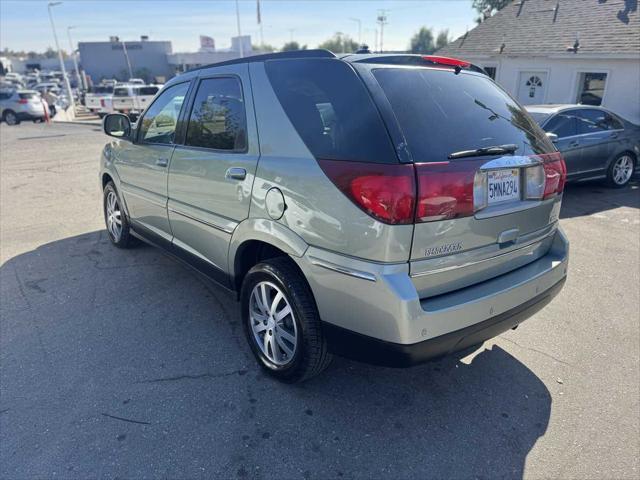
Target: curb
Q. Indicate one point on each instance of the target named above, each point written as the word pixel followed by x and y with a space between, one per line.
pixel 72 122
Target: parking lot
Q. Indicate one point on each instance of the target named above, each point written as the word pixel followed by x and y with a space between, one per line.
pixel 126 364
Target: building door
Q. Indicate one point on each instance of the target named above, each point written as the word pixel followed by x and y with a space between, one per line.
pixel 532 87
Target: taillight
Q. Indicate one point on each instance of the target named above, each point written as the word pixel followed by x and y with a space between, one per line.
pixel 555 172
pixel 451 62
pixel 386 192
pixel 23 101
pixel 446 190
pixel 102 104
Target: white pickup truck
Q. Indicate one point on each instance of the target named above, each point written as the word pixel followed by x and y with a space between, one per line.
pixel 133 99
pixel 99 100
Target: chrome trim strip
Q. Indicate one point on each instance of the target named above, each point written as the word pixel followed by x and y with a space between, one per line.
pixel 209 224
pixel 125 187
pixel 517 161
pixel 345 270
pixel 477 262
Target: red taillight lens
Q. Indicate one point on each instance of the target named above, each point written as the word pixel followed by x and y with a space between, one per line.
pixel 23 101
pixel 445 190
pixel 386 192
pixel 555 172
pixel 452 62
pixel 102 102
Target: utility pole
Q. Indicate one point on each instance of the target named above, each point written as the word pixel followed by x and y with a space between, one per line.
pixel 359 22
pixel 67 85
pixel 239 31
pixel 126 56
pixel 73 55
pixel 291 30
pixel 382 21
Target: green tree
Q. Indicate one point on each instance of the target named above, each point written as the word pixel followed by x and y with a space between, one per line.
pixel 442 39
pixel 266 48
pixel 488 7
pixel 422 42
pixel 290 46
pixel 50 53
pixel 340 43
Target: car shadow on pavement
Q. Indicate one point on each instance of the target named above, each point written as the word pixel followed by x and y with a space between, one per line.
pixel 587 198
pixel 125 363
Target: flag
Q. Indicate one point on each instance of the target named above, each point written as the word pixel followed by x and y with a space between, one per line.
pixel 207 42
pixel 258 11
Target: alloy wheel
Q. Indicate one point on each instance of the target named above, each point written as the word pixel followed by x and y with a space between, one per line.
pixel 11 118
pixel 622 170
pixel 273 323
pixel 114 216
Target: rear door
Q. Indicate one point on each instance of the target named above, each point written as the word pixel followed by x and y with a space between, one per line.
pixel 143 165
pixel 472 220
pixel 212 172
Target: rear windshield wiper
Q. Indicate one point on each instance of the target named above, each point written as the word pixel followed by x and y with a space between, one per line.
pixel 478 152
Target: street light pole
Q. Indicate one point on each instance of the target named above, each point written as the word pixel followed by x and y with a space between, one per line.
pixel 72 104
pixel 239 31
pixel 73 55
pixel 126 57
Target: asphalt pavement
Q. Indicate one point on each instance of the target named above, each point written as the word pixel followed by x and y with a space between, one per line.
pixel 126 364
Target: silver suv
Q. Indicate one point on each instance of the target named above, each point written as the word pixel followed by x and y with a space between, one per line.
pixel 19 105
pixel 388 208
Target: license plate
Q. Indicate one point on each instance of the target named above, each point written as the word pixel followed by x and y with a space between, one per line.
pixel 503 185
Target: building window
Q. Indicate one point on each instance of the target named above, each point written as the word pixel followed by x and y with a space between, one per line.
pixel 591 88
pixel 491 71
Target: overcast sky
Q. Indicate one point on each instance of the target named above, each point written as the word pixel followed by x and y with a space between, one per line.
pixel 24 25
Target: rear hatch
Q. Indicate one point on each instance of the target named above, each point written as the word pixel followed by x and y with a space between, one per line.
pixel 489 181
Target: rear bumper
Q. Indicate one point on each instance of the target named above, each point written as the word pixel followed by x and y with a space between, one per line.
pixel 378 352
pixel 373 311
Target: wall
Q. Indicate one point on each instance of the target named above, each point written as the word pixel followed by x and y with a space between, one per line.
pixel 622 90
pixel 46 64
pixel 107 59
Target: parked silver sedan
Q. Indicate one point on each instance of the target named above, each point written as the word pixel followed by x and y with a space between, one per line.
pixel 595 142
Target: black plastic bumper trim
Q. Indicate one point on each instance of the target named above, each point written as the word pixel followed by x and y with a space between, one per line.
pixel 356 346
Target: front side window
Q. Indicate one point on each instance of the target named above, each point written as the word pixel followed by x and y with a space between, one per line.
pixel 159 123
pixel 563 124
pixel 591 88
pixel 218 119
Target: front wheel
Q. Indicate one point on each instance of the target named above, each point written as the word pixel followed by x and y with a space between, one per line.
pixel 620 171
pixel 281 321
pixel 115 218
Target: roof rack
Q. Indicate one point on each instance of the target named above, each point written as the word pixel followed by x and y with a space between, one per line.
pixel 315 53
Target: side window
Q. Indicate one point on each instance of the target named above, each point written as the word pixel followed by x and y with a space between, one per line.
pixel 563 125
pixel 159 123
pixel 218 119
pixel 613 122
pixel 592 121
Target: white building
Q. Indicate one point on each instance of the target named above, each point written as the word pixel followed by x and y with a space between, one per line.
pixel 561 51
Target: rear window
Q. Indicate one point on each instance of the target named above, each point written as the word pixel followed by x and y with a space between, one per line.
pixel 148 90
pixel 331 110
pixel 101 90
pixel 121 92
pixel 539 117
pixel 28 96
pixel 441 113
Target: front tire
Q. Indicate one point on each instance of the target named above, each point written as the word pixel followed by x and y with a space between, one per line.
pixel 281 321
pixel 621 170
pixel 115 218
pixel 10 117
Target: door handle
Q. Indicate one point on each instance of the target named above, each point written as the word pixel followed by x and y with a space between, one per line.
pixel 614 135
pixel 162 162
pixel 575 143
pixel 236 173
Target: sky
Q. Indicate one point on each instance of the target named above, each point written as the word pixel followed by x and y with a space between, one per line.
pixel 24 24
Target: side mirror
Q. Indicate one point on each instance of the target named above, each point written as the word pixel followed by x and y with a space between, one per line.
pixel 552 136
pixel 117 125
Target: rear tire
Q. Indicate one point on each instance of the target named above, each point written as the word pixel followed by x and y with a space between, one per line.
pixel 10 117
pixel 115 218
pixel 284 331
pixel 621 170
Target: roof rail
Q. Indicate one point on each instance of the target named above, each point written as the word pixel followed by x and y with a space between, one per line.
pixel 316 53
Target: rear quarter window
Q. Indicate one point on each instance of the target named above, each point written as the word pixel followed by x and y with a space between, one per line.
pixel 440 113
pixel 331 110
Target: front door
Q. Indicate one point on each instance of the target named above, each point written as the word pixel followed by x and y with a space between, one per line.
pixel 142 165
pixel 211 175
pixel 565 126
pixel 532 88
